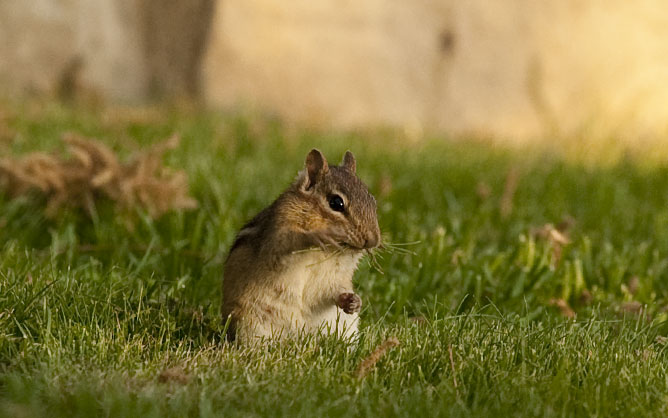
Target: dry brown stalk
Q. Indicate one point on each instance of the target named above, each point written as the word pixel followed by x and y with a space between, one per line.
pixel 370 362
pixel 509 189
pixel 452 365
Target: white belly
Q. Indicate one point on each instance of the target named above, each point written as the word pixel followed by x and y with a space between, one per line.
pixel 305 302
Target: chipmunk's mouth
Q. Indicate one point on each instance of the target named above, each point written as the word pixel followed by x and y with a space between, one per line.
pixel 366 245
pixel 352 247
pixel 338 247
pixel 346 246
pixel 362 246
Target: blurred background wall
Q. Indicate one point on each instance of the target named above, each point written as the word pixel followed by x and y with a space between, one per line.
pixel 119 50
pixel 506 68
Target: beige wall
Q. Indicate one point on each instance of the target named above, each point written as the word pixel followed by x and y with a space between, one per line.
pixel 123 50
pixel 513 68
pixel 41 40
pixel 519 68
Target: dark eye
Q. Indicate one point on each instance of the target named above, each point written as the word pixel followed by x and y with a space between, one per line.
pixel 336 203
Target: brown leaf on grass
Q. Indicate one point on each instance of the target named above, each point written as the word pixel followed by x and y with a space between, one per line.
pixel 635 307
pixel 645 354
pixel 586 297
pixel 634 284
pixel 370 362
pixel 632 307
pixel 175 375
pixel 556 237
pixel 419 319
pixel 509 189
pixel 548 232
pixel 93 171
pixel 564 309
pixel 483 190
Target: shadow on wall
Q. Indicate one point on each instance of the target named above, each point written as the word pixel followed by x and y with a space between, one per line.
pixel 122 50
pixel 175 36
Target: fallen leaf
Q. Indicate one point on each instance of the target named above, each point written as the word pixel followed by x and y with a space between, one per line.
pixel 563 307
pixel 174 374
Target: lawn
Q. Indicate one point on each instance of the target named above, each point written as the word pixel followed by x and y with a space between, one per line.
pixel 519 281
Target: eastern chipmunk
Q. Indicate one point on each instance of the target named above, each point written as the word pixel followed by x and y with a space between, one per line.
pixel 290 268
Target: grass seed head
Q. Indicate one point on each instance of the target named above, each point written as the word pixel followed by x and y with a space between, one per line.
pixel 370 362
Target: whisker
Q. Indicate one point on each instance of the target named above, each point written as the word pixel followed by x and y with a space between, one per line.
pixel 392 247
pixel 402 244
pixel 374 255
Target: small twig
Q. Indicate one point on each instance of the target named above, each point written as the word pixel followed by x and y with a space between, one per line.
pixel 370 362
pixel 506 203
pixel 397 247
pixel 452 365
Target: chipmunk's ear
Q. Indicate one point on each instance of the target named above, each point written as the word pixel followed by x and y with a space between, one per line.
pixel 316 164
pixel 349 161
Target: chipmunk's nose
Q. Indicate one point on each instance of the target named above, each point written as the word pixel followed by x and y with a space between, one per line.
pixel 372 240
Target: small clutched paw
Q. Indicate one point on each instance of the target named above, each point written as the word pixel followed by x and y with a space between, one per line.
pixel 349 302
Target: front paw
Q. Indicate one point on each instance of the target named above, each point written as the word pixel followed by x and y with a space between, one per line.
pixel 349 302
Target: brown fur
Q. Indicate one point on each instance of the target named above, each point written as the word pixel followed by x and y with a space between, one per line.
pixel 273 282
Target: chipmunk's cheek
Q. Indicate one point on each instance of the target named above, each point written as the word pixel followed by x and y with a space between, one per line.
pixel 342 234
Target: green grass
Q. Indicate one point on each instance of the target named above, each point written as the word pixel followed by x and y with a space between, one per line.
pixel 93 311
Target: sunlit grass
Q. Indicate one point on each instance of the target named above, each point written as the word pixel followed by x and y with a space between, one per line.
pixel 93 311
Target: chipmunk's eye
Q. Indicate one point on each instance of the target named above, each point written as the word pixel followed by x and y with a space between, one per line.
pixel 336 203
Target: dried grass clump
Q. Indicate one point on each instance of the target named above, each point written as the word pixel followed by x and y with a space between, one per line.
pixel 92 172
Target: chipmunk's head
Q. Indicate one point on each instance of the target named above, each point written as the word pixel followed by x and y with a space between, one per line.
pixel 342 207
